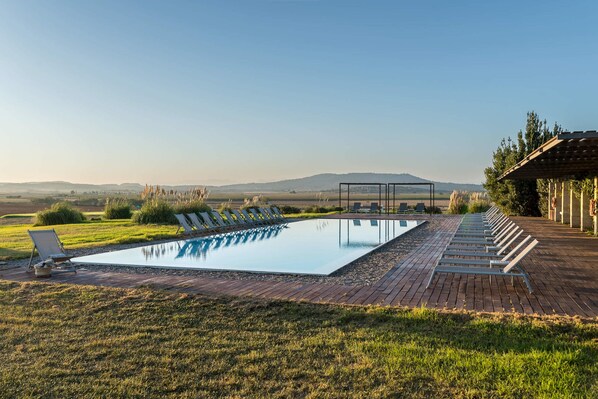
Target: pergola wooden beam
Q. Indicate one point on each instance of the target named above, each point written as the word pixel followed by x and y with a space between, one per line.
pixel 569 154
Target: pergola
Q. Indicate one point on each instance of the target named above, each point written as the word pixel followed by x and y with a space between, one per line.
pixel 430 186
pixel 379 185
pixel 565 155
pixel 569 155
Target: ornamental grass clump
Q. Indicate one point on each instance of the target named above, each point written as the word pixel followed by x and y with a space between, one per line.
pixel 194 206
pixel 117 208
pixel 255 202
pixel 59 213
pixel 155 211
pixel 160 205
pixel 458 203
pixel 478 202
pixel 225 206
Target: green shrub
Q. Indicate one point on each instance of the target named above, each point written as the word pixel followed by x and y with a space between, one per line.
pixel 155 211
pixel 192 206
pixel 287 209
pixel 434 209
pixel 117 208
pixel 458 203
pixel 59 213
pixel 322 209
pixel 478 206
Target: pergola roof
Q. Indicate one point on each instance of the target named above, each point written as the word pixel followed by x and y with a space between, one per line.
pixel 568 154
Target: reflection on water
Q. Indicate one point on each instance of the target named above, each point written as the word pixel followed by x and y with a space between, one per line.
pixel 356 233
pixel 201 247
pixel 315 246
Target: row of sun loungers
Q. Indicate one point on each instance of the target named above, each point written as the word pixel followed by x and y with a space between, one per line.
pixel 486 244
pixel 420 207
pixel 403 208
pixel 214 222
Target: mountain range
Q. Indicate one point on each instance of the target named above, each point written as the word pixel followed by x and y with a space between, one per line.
pixel 320 182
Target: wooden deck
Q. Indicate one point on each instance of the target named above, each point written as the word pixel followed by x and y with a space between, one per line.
pixel 563 271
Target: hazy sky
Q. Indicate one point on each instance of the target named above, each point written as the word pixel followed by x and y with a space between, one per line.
pixel 222 91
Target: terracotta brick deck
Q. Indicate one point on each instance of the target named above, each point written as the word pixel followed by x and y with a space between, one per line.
pixel 563 270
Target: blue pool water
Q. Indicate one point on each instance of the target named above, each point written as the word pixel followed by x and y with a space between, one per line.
pixel 316 246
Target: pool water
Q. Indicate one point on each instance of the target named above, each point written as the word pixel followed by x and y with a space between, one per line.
pixel 316 246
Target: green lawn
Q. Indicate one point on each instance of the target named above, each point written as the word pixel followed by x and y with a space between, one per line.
pixel 69 341
pixel 15 242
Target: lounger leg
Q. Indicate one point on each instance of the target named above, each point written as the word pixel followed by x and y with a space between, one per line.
pixel 527 282
pixel 431 278
pixel 31 258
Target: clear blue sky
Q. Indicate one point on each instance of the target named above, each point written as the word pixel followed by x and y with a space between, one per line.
pixel 217 91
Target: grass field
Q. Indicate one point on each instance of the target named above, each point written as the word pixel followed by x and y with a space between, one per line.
pixel 15 242
pixel 70 341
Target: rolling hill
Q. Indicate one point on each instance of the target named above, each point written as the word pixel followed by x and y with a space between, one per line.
pixel 320 182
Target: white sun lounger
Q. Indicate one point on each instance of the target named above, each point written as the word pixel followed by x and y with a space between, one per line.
pixel 184 223
pixel 254 220
pixel 221 221
pixel 507 271
pixel 196 222
pixel 231 219
pixel 278 213
pixel 449 260
pixel 243 218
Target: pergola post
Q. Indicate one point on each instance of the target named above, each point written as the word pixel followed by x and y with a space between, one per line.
pixel 549 200
pixel 596 199
pixel 565 202
pixel 574 215
pixel 584 205
pixel 557 195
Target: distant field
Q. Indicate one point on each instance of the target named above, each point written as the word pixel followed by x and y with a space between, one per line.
pixel 24 205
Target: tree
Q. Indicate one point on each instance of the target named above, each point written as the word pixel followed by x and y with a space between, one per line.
pixel 519 197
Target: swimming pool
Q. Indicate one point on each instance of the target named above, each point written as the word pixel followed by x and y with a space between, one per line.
pixel 316 246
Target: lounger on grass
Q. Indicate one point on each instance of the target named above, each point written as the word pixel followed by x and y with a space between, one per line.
pixel 243 219
pixel 221 221
pixel 507 271
pixel 403 208
pixel 50 248
pixel 231 219
pixel 183 223
pixel 374 208
pixel 420 207
pixel 198 224
pixel 269 215
pixel 258 216
pixel 212 224
pixel 250 219
pixel 278 213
